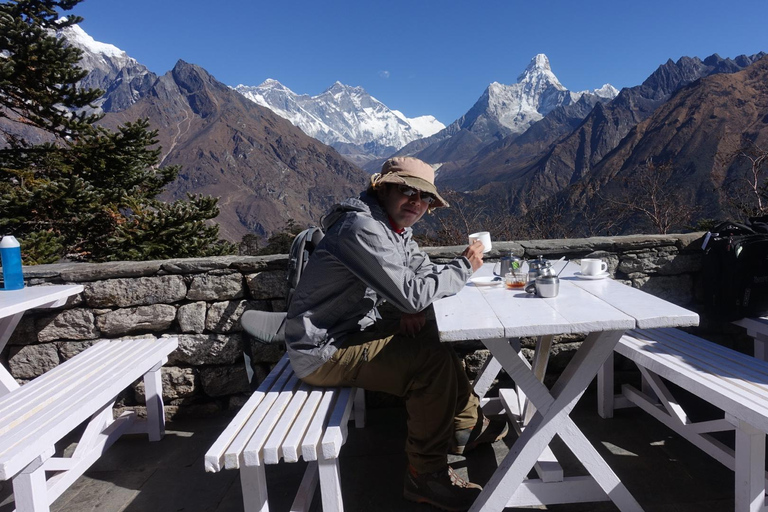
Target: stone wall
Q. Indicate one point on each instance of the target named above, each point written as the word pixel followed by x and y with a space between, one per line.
pixel 201 300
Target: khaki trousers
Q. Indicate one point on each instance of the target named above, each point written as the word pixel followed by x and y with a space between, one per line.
pixel 427 373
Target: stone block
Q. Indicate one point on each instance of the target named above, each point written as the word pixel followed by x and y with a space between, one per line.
pixel 30 361
pixel 216 287
pixel 142 291
pixel 191 317
pixel 83 272
pixel 203 349
pixel 266 353
pixel 69 349
pixel 154 318
pixel 177 383
pixel 224 317
pixel 647 262
pixel 224 380
pixel 675 289
pixel 267 285
pixel 474 362
pixel 70 324
pixel 25 332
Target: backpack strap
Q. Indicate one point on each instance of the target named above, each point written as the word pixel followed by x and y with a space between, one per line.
pixel 302 248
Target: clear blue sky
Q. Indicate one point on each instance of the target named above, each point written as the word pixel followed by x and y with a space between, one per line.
pixel 424 57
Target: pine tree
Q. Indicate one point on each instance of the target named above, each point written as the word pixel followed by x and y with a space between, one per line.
pixel 89 194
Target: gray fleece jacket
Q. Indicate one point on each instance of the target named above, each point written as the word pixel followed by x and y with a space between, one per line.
pixel 360 263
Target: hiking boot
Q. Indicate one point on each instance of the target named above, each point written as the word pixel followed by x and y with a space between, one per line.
pixel 467 439
pixel 443 489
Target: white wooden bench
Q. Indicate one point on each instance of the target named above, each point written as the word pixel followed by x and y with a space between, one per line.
pixel 286 418
pixel 757 328
pixel 38 414
pixel 735 383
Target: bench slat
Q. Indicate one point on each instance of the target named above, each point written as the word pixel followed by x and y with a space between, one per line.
pixel 20 446
pixel 272 448
pixel 38 389
pixel 292 442
pixel 744 366
pixel 739 372
pixel 214 457
pixel 233 451
pixel 336 431
pixel 286 415
pixel 311 442
pixel 55 388
pixel 688 365
pixel 56 397
pixel 251 455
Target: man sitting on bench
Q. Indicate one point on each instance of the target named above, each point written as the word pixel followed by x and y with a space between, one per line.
pixel 335 335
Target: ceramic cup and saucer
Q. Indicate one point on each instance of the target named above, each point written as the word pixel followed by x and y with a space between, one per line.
pixel 486 281
pixel 601 275
pixel 592 268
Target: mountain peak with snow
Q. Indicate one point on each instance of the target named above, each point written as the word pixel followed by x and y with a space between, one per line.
pixel 96 55
pixel 539 62
pixel 110 69
pixel 537 92
pixel 81 39
pixel 344 116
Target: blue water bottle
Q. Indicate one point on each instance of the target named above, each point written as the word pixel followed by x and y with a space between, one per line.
pixel 10 254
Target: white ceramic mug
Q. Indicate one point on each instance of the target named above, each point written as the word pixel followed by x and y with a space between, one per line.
pixel 484 237
pixel 593 267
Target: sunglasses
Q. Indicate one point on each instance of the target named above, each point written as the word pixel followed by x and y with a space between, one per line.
pixel 410 192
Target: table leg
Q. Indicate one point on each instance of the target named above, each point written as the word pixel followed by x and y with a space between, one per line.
pixel 540 362
pixel 605 398
pixel 760 339
pixel 487 375
pixel 7 326
pixel 551 419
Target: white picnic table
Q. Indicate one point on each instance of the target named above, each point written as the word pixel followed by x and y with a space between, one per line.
pixel 13 305
pixel 602 309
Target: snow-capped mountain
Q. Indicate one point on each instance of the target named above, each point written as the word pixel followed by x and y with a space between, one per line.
pixel 345 117
pixel 122 78
pixel 536 93
pixel 503 111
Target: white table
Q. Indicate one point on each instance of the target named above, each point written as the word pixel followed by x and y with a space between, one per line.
pixel 13 304
pixel 499 317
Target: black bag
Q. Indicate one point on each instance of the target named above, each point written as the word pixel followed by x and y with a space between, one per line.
pixel 735 271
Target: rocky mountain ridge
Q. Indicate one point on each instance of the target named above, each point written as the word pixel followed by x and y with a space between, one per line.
pixel 265 171
pixel 123 79
pixel 502 111
pixel 554 155
pixel 518 147
pixel 344 117
pixel 697 133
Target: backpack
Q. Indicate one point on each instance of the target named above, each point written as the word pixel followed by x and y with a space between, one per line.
pixel 301 249
pixel 735 270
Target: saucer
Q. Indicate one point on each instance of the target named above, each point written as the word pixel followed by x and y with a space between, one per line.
pixel 601 275
pixel 485 281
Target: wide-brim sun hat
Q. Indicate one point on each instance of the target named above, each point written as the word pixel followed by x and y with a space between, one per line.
pixel 410 171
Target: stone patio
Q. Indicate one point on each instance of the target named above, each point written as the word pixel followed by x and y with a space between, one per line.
pixel 664 472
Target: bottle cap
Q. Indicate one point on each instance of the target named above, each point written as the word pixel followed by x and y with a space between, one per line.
pixel 9 241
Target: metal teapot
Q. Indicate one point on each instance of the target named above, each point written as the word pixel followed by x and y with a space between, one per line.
pixel 535 267
pixel 507 263
pixel 546 284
